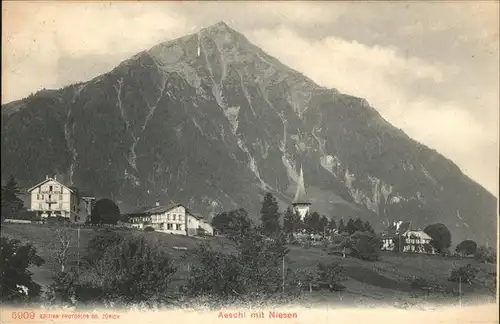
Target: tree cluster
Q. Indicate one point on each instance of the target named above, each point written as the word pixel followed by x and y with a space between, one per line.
pixel 356 225
pixel 441 236
pixel 465 274
pixel 486 254
pixel 254 269
pixel 12 205
pixel 467 247
pixel 16 283
pixel 105 211
pixel 121 270
pixel 235 223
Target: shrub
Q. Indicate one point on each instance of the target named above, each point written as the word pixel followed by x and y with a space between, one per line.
pixel 217 274
pixel 16 283
pixel 441 236
pixel 149 229
pixel 308 280
pixel 486 254
pixel 428 248
pixel 420 283
pixel 132 271
pixel 365 246
pixel 99 243
pixel 466 274
pixel 255 269
pixel 330 275
pixel 466 247
pixel 105 211
pixel 62 290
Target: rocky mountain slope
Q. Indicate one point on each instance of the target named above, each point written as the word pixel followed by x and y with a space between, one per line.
pixel 213 121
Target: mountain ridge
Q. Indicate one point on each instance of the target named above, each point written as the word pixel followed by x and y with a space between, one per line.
pixel 175 117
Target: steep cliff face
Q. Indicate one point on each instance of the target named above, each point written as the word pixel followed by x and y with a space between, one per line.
pixel 212 121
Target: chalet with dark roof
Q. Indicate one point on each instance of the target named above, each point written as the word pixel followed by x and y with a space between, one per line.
pixel 407 240
pixel 173 218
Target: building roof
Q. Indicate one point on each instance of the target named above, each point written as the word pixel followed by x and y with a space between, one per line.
pixel 47 180
pixel 146 211
pixel 397 228
pixel 155 209
pixel 300 194
pixel 196 215
pixel 420 234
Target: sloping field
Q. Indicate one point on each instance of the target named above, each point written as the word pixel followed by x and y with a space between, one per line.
pixel 370 282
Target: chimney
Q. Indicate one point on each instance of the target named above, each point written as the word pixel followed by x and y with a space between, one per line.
pixel 157 203
pixel 46 177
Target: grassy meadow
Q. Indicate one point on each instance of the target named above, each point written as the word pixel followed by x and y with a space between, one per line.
pixel 386 281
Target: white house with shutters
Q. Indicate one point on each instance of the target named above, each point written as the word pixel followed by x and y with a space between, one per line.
pixel 172 219
pixel 50 198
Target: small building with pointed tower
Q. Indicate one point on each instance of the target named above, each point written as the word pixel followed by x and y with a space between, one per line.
pixel 301 203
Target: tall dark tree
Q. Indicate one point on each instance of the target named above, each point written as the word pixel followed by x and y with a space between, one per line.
pixel 312 223
pixel 235 223
pixel 323 225
pixel 441 236
pixel 365 246
pixel 342 227
pixel 11 203
pixel 221 222
pixel 467 247
pixel 350 227
pixel 367 227
pixel 105 212
pixel 291 221
pixel 358 225
pixel 270 216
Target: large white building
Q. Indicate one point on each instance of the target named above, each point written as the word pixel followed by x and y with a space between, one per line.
pixel 301 204
pixel 408 240
pixel 173 219
pixel 51 198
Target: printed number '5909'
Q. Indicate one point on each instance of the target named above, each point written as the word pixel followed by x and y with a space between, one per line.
pixel 23 315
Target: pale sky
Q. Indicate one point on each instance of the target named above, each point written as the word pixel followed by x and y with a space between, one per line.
pixel 430 69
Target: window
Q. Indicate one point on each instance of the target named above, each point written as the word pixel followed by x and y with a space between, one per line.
pixel 50 188
pixel 50 196
pixel 174 216
pixel 169 226
pixel 178 227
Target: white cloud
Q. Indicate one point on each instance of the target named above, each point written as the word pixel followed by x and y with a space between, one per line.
pixel 77 30
pixel 376 73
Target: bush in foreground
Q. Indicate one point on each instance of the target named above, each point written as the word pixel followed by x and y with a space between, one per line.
pixel 365 246
pixel 254 270
pixel 16 283
pixel 486 254
pixel 330 275
pixel 132 270
pixel 466 274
